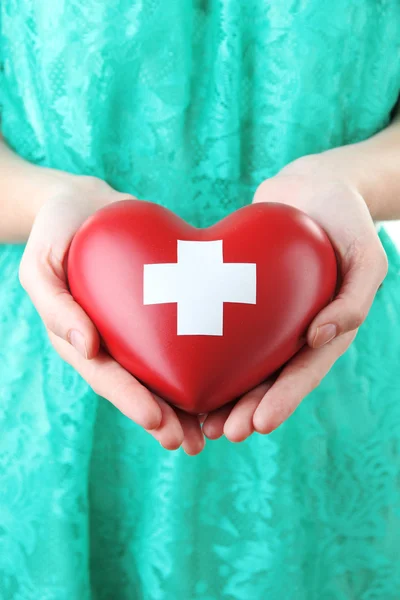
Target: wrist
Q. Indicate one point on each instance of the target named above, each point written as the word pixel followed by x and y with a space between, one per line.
pixel 26 187
pixel 42 185
pixel 346 166
pixel 46 184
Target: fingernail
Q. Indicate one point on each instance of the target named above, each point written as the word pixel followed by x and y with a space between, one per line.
pixel 77 340
pixel 324 334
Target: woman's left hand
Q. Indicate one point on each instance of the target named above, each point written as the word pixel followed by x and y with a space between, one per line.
pixel 340 209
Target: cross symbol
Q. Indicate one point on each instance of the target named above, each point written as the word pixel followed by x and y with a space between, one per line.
pixel 199 283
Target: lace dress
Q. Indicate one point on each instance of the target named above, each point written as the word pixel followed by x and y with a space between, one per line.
pixel 193 104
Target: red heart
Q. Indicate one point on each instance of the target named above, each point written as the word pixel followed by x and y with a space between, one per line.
pixel 292 266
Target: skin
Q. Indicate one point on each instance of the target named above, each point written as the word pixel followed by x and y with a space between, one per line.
pixel 344 189
pixel 363 264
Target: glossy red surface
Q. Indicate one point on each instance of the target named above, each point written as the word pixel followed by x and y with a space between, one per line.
pixel 296 278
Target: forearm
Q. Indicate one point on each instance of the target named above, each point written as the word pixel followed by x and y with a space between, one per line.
pixel 24 188
pixel 372 167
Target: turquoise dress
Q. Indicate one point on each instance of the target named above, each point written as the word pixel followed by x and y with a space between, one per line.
pixel 192 105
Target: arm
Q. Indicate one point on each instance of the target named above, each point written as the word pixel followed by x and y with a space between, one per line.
pixel 344 189
pixel 24 188
pixel 46 207
pixel 372 167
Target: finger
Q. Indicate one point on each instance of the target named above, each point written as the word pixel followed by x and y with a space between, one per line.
pixel 42 270
pixel 213 426
pixel 42 276
pixel 109 380
pixel 302 374
pixel 194 441
pixel 170 432
pixel 239 424
pixel 363 273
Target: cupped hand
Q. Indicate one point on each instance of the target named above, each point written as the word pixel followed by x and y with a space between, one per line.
pixel 72 333
pixel 340 209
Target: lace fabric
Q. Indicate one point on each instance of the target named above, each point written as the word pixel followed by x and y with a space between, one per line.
pixel 192 105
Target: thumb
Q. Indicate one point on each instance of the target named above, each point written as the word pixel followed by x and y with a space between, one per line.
pixel 42 274
pixel 45 282
pixel 42 271
pixel 365 271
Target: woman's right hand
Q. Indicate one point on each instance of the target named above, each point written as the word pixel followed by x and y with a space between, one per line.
pixel 71 332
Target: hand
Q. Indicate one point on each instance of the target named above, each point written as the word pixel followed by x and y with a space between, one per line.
pixel 72 333
pixel 342 212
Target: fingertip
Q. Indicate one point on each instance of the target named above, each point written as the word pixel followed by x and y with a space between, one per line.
pixel 239 424
pixel 213 435
pixel 235 439
pixel 169 431
pixel 194 448
pixel 173 439
pixel 262 423
pixel 235 435
pixel 230 431
pixel 173 444
pixel 213 426
pixel 152 419
pixel 212 431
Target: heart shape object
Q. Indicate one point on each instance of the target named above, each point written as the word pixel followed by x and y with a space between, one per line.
pixel 201 316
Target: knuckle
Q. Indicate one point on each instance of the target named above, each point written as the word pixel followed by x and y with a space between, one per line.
pixel 93 183
pixel 95 187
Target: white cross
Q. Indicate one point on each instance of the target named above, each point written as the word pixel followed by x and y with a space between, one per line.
pixel 200 282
